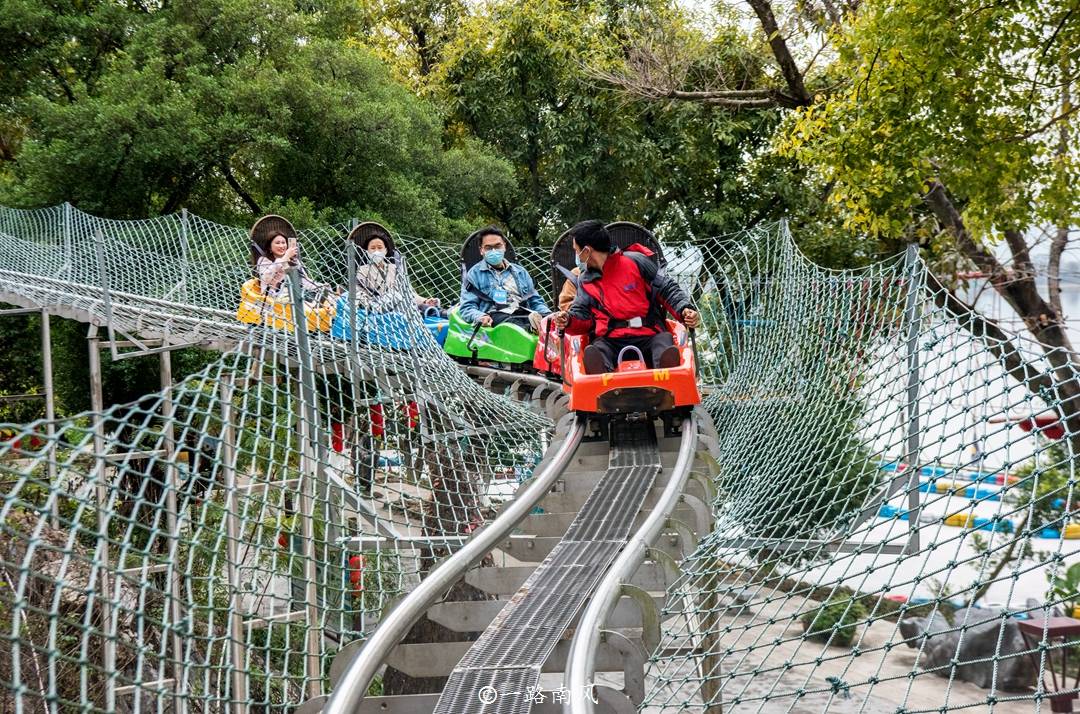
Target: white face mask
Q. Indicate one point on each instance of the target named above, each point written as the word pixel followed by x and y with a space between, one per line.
pixel 377 256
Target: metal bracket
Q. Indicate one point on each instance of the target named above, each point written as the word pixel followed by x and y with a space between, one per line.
pixel 634 658
pixel 670 565
pixel 687 538
pixel 650 615
pixel 708 486
pixel 712 466
pixel 711 444
pixel 701 512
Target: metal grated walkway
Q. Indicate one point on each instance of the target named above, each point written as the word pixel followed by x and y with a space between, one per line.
pixel 507 658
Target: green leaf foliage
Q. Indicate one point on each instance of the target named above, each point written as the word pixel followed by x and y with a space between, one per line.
pixel 519 76
pixel 835 622
pixel 229 106
pixel 971 95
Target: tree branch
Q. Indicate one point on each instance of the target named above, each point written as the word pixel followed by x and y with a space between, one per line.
pixel 1053 267
pixel 1061 236
pixel 7 149
pixel 832 12
pixel 63 82
pixel 501 215
pixel 235 185
pixel 1022 294
pixel 736 98
pixel 788 68
pixel 995 339
pixel 942 206
pixel 1018 246
pixel 644 84
pixel 180 193
pixel 1065 113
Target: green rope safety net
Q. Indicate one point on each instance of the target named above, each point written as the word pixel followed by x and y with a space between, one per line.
pixel 219 541
pixel 886 538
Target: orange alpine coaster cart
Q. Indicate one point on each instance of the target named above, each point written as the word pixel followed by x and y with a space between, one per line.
pixel 632 390
pixel 632 387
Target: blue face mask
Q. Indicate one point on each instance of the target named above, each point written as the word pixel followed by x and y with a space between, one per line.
pixel 494 257
pixel 581 264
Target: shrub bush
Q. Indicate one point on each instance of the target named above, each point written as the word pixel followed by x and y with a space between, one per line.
pixel 834 622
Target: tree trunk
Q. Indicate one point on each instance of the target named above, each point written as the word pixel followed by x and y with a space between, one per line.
pixel 1060 385
pixel 792 75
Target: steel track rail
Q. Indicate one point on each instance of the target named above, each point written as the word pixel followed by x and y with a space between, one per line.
pixel 533 380
pixel 508 657
pixel 580 664
pixel 354 682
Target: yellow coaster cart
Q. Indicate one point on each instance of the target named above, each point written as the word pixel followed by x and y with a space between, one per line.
pixel 257 308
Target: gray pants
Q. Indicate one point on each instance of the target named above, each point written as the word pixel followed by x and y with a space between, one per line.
pixel 651 346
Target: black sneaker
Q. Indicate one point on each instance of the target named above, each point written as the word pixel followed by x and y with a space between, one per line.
pixel 594 360
pixel 669 358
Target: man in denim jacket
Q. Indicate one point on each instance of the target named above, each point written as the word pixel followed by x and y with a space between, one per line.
pixel 498 291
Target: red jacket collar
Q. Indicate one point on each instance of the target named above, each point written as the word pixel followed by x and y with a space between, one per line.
pixel 593 274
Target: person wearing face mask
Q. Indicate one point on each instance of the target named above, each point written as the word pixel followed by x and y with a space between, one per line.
pixel 620 300
pixel 376 273
pixel 497 291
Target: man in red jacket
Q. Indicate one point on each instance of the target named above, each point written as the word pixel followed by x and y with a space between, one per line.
pixel 621 297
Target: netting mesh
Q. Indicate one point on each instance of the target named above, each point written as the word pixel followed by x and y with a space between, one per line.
pixel 888 536
pixel 218 541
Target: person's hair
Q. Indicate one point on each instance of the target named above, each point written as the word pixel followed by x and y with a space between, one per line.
pixel 592 234
pixel 489 231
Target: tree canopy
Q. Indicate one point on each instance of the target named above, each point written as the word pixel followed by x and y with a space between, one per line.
pixel 866 123
pixel 228 107
pixel 977 99
pixel 431 116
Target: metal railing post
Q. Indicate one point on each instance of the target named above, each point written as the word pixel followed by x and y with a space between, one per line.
pixel 101 496
pixel 238 676
pixel 172 523
pixel 185 256
pixel 912 319
pixel 68 257
pixel 308 433
pixel 103 282
pixel 361 472
pixel 50 409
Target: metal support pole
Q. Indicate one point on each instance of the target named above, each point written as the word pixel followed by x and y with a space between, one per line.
pixel 913 319
pixel 350 253
pixel 362 471
pixel 239 676
pixel 50 408
pixel 185 257
pixel 420 388
pixel 103 282
pixel 69 259
pixel 172 522
pixel 308 433
pixel 101 494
